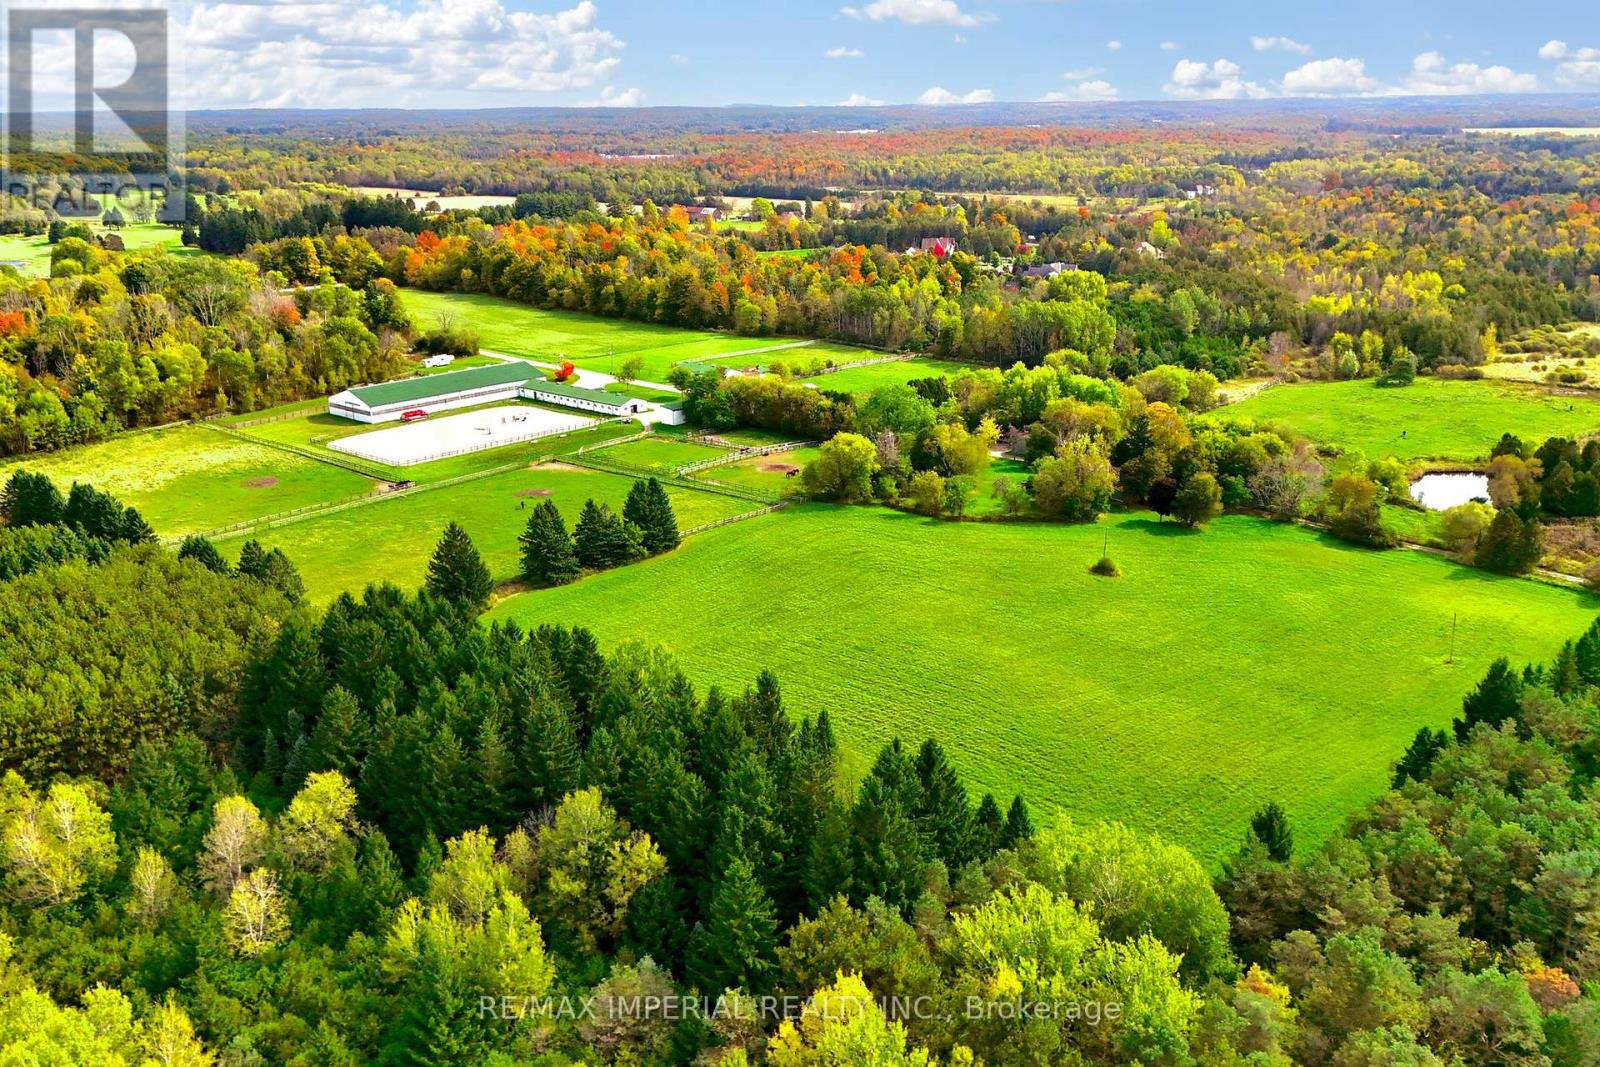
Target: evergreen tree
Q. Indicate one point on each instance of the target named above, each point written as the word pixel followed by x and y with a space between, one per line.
pixel 281 574
pixel 1417 763
pixel 253 560
pixel 649 508
pixel 987 822
pixel 656 926
pixel 1564 679
pixel 550 759
pixel 886 857
pixel 548 556
pixel 736 946
pixel 1497 698
pixel 204 553
pixel 336 739
pixel 134 530
pixel 1511 545
pixel 1270 826
pixel 943 813
pixel 1587 654
pixel 603 540
pixel 1018 827
pixel 457 574
pixel 31 499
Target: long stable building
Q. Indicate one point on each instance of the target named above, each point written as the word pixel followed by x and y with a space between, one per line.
pixel 392 401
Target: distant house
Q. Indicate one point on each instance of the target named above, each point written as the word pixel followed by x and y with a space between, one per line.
pixel 1150 251
pixel 1049 270
pixel 939 247
pixel 702 214
pixel 1200 191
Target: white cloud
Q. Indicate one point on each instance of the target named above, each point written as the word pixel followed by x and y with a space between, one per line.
pixel 860 100
pixel 939 96
pixel 1286 44
pixel 1096 90
pixel 1115 46
pixel 1170 46
pixel 1330 77
pixel 844 53
pixel 391 52
pixel 1078 74
pixel 678 59
pixel 1433 75
pixel 1222 80
pixel 612 97
pixel 918 13
pixel 1576 68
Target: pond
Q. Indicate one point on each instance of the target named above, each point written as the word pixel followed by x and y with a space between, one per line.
pixel 1440 492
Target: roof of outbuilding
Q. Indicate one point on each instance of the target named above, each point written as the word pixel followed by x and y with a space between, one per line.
pixel 432 386
pixel 594 396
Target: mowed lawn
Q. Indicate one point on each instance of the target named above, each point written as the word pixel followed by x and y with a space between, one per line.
pixel 34 252
pixel 769 472
pixel 1457 421
pixel 391 540
pixel 879 375
pixel 1248 662
pixel 191 478
pixel 659 455
pixel 590 341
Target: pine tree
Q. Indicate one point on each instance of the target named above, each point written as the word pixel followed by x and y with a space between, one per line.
pixel 457 574
pixel 987 822
pixel 1497 698
pixel 1587 653
pixel 603 540
pixel 253 560
pixel 336 739
pixel 548 556
pixel 31 499
pixel 1019 826
pixel 1564 679
pixel 282 575
pixel 1417 764
pixel 943 814
pixel 204 553
pixel 1270 826
pixel 649 508
pixel 736 946
pixel 1511 545
pixel 134 530
pixel 886 851
pixel 656 926
pixel 550 759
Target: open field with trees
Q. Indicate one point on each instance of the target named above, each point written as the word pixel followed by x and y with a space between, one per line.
pixel 391 540
pixel 881 375
pixel 590 341
pixel 1263 649
pixel 1453 421
pixel 192 478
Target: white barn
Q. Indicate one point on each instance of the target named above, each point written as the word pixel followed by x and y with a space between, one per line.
pixel 389 401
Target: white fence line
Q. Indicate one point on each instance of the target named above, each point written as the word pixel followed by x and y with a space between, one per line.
pixel 497 442
pixel 744 453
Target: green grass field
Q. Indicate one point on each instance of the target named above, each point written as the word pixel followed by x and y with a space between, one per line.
pixel 658 455
pixel 588 340
pixel 1247 662
pixel 879 375
pixel 34 252
pixel 751 473
pixel 391 540
pixel 1434 419
pixel 192 478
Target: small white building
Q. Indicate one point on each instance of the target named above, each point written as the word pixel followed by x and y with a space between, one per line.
pixel 443 359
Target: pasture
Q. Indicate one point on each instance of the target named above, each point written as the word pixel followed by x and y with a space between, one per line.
pixel 1247 662
pixel 33 253
pixel 1433 419
pixel 770 472
pixel 390 540
pixel 656 454
pixel 881 375
pixel 191 478
pixel 590 341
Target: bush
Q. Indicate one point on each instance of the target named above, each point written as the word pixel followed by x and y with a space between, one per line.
pixel 1106 568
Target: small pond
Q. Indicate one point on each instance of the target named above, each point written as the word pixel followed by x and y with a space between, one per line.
pixel 1440 492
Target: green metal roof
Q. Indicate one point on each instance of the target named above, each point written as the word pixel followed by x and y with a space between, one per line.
pixel 594 396
pixel 432 386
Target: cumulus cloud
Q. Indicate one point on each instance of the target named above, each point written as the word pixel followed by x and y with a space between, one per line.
pixel 392 52
pixel 1223 80
pixel 1096 90
pixel 1283 44
pixel 860 100
pixel 613 97
pixel 1170 46
pixel 844 53
pixel 1115 46
pixel 939 96
pixel 1331 77
pixel 917 13
pixel 1078 74
pixel 1433 75
pixel 1576 68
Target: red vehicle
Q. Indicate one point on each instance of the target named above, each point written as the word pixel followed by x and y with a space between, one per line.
pixel 413 416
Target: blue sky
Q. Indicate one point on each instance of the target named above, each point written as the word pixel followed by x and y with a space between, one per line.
pixel 483 53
